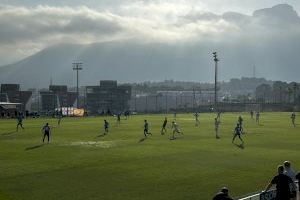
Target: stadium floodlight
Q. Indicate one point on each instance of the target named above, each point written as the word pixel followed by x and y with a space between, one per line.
pixel 77 67
pixel 215 56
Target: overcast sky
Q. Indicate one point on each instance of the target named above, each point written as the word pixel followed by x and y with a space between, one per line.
pixel 217 6
pixel 28 26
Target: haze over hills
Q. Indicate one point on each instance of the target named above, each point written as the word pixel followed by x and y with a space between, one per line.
pixel 270 40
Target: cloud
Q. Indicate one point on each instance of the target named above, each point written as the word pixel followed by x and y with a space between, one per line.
pixel 26 30
pixel 25 24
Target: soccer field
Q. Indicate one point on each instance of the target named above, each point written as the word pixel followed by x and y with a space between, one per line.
pixel 81 163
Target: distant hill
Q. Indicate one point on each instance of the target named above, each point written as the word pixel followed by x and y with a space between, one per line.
pixel 123 61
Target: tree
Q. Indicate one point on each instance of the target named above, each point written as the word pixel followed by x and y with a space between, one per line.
pixel 263 93
pixel 294 87
pixel 289 92
pixel 278 91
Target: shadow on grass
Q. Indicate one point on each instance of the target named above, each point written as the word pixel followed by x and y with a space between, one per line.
pixel 102 135
pixel 34 147
pixel 142 139
pixel 9 133
pixel 178 137
pixel 241 146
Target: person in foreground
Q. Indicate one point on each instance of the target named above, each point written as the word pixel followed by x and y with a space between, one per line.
pixel 282 183
pixel 298 178
pixel 292 174
pixel 223 195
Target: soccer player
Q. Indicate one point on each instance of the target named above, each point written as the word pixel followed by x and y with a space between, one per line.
pixel 175 115
pixel 257 117
pixel 118 119
pixel 126 113
pixel 175 129
pixel 251 113
pixel 240 122
pixel 237 133
pixel 20 121
pixel 146 128
pixel 163 129
pixel 217 123
pixel 197 119
pixel 219 116
pixel 46 130
pixel 293 117
pixel 105 127
pixel 59 117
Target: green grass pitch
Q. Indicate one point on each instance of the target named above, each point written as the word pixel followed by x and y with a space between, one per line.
pixel 80 163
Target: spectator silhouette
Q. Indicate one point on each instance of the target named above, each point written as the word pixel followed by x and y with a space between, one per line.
pixel 223 195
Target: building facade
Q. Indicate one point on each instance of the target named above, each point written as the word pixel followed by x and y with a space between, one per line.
pixel 107 97
pixel 57 97
pixel 11 93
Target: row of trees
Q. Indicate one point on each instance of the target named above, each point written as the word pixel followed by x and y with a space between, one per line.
pixel 279 92
pixel 170 85
pixel 235 86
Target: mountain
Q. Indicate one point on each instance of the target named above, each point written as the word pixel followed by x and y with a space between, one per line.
pixel 123 61
pixel 273 51
pixel 282 13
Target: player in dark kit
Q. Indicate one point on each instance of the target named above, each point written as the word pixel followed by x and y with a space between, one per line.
pixel 217 124
pixel 251 113
pixel 257 117
pixel 240 122
pixel 59 117
pixel 46 130
pixel 293 117
pixel 20 121
pixel 197 119
pixel 237 133
pixel 118 119
pixel 146 128
pixel 126 113
pixel 105 127
pixel 163 129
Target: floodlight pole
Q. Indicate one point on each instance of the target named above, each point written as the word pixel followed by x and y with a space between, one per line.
pixel 194 98
pixel 215 56
pixel 77 66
